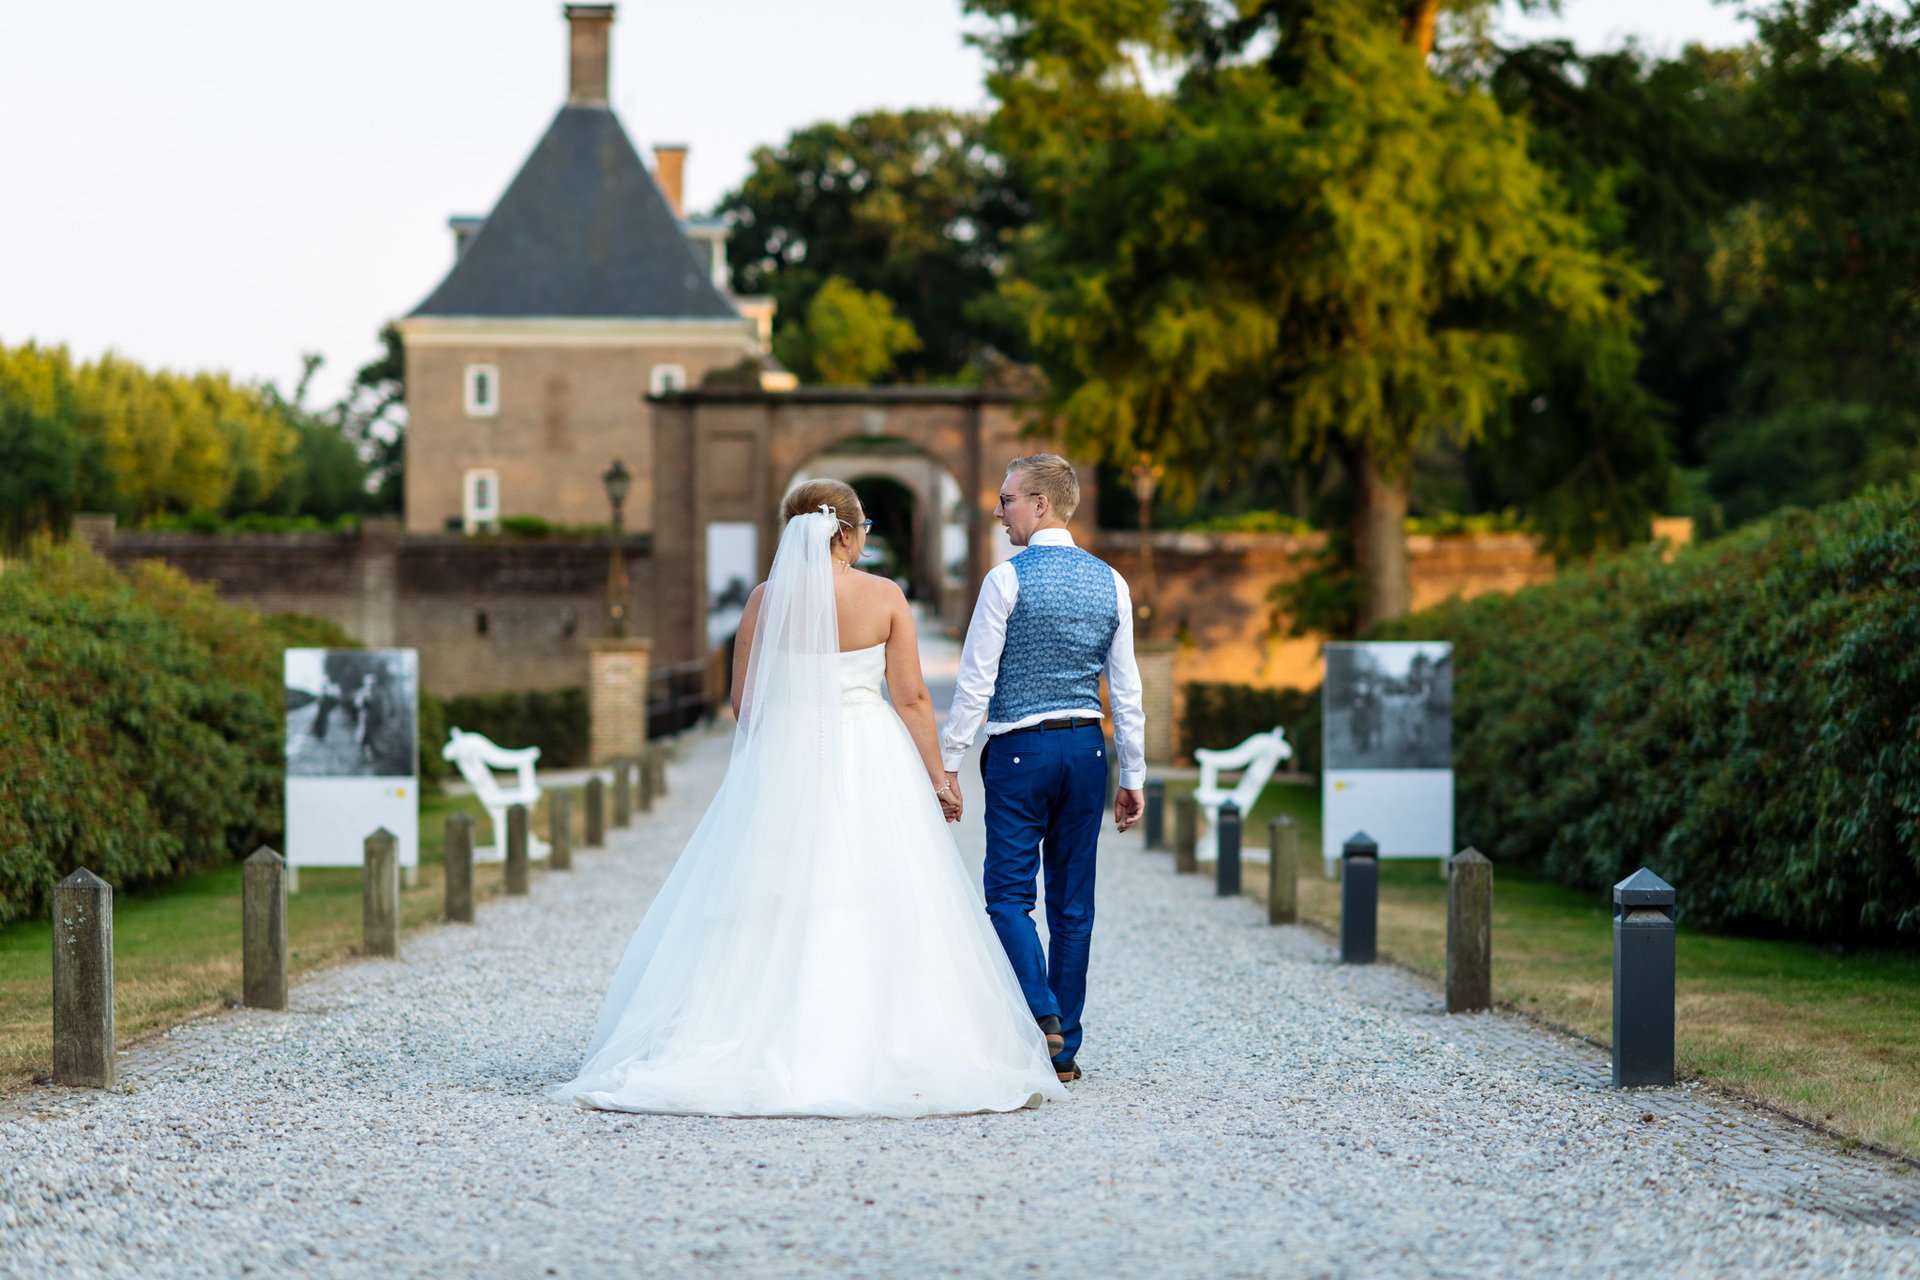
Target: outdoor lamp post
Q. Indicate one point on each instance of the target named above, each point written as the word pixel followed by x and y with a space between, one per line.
pixel 617 479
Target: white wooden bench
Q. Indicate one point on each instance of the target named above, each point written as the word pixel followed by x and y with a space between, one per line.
pixel 1256 758
pixel 477 757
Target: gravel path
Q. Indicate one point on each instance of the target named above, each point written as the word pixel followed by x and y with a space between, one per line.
pixel 1251 1108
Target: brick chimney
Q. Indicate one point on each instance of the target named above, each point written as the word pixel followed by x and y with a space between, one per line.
pixel 670 171
pixel 590 30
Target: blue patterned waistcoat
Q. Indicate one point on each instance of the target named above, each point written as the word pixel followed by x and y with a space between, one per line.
pixel 1058 634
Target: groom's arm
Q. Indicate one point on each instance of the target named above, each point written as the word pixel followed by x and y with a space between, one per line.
pixel 979 664
pixel 1123 693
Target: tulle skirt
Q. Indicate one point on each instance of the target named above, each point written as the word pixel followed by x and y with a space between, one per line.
pixel 820 956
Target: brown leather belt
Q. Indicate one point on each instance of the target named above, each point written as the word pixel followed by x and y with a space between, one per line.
pixel 1065 722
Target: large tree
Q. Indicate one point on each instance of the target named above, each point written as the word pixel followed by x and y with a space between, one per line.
pixel 1308 238
pixel 911 205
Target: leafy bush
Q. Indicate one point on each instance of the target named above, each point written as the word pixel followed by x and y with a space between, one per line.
pixel 1225 715
pixel 141 730
pixel 1745 721
pixel 1253 522
pixel 554 720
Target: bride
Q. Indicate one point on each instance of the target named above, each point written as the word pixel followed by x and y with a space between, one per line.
pixel 820 948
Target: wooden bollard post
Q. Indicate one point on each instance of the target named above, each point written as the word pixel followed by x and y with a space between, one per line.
pixel 1283 871
pixel 1186 834
pixel 622 794
pixel 1469 932
pixel 516 867
pixel 263 930
pixel 458 848
pixel 83 981
pixel 560 830
pixel 644 780
pixel 380 895
pixel 596 836
pixel 657 761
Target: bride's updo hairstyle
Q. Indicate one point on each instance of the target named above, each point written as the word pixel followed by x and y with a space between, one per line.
pixel 815 494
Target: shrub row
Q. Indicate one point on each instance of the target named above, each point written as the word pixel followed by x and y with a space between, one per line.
pixel 1744 720
pixel 1225 715
pixel 553 720
pixel 141 724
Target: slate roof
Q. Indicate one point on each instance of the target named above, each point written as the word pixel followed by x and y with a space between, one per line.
pixel 581 231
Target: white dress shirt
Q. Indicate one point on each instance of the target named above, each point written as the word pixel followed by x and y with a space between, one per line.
pixel 980 671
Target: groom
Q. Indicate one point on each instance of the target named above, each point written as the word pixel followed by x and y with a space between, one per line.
pixel 1048 622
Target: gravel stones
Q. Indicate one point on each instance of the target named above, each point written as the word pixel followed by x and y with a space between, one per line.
pixel 1251 1108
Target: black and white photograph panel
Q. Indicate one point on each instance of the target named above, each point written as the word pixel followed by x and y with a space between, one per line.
pixel 1389 705
pixel 350 713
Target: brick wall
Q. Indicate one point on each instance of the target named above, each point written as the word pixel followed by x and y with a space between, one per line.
pixel 1213 588
pixel 487 614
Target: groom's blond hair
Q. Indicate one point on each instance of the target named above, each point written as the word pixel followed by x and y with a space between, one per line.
pixel 1052 475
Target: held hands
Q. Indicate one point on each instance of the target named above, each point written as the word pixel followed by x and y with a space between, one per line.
pixel 1128 807
pixel 947 792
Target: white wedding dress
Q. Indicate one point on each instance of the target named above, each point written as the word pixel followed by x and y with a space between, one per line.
pixel 820 948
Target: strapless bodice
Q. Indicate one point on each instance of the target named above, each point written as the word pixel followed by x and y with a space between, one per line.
pixel 861 671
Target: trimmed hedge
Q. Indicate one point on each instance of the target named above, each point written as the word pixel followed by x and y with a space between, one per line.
pixel 1745 721
pixel 1225 715
pixel 554 720
pixel 141 724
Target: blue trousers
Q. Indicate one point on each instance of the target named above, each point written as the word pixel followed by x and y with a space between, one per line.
pixel 1044 794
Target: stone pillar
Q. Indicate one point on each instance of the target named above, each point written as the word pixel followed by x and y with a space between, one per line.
pixel 83 981
pixel 1157 698
pixel 617 698
pixel 263 930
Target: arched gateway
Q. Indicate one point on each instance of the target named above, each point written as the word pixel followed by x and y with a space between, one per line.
pixel 723 456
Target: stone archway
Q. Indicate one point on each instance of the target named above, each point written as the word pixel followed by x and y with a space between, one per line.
pixel 915 502
pixel 724 454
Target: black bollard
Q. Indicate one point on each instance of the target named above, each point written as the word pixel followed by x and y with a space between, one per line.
pixel 1156 823
pixel 1359 898
pixel 1226 857
pixel 1642 981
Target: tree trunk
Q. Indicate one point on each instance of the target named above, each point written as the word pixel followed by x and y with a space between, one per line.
pixel 1417 21
pixel 1379 538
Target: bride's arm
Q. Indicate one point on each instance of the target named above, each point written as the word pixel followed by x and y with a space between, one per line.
pixel 909 689
pixel 743 648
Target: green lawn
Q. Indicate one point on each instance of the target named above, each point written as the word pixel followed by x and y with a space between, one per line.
pixel 1829 1037
pixel 176 954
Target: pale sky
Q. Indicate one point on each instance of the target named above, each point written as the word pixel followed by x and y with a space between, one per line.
pixel 228 183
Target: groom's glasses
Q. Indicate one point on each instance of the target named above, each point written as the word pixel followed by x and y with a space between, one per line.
pixel 1008 499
